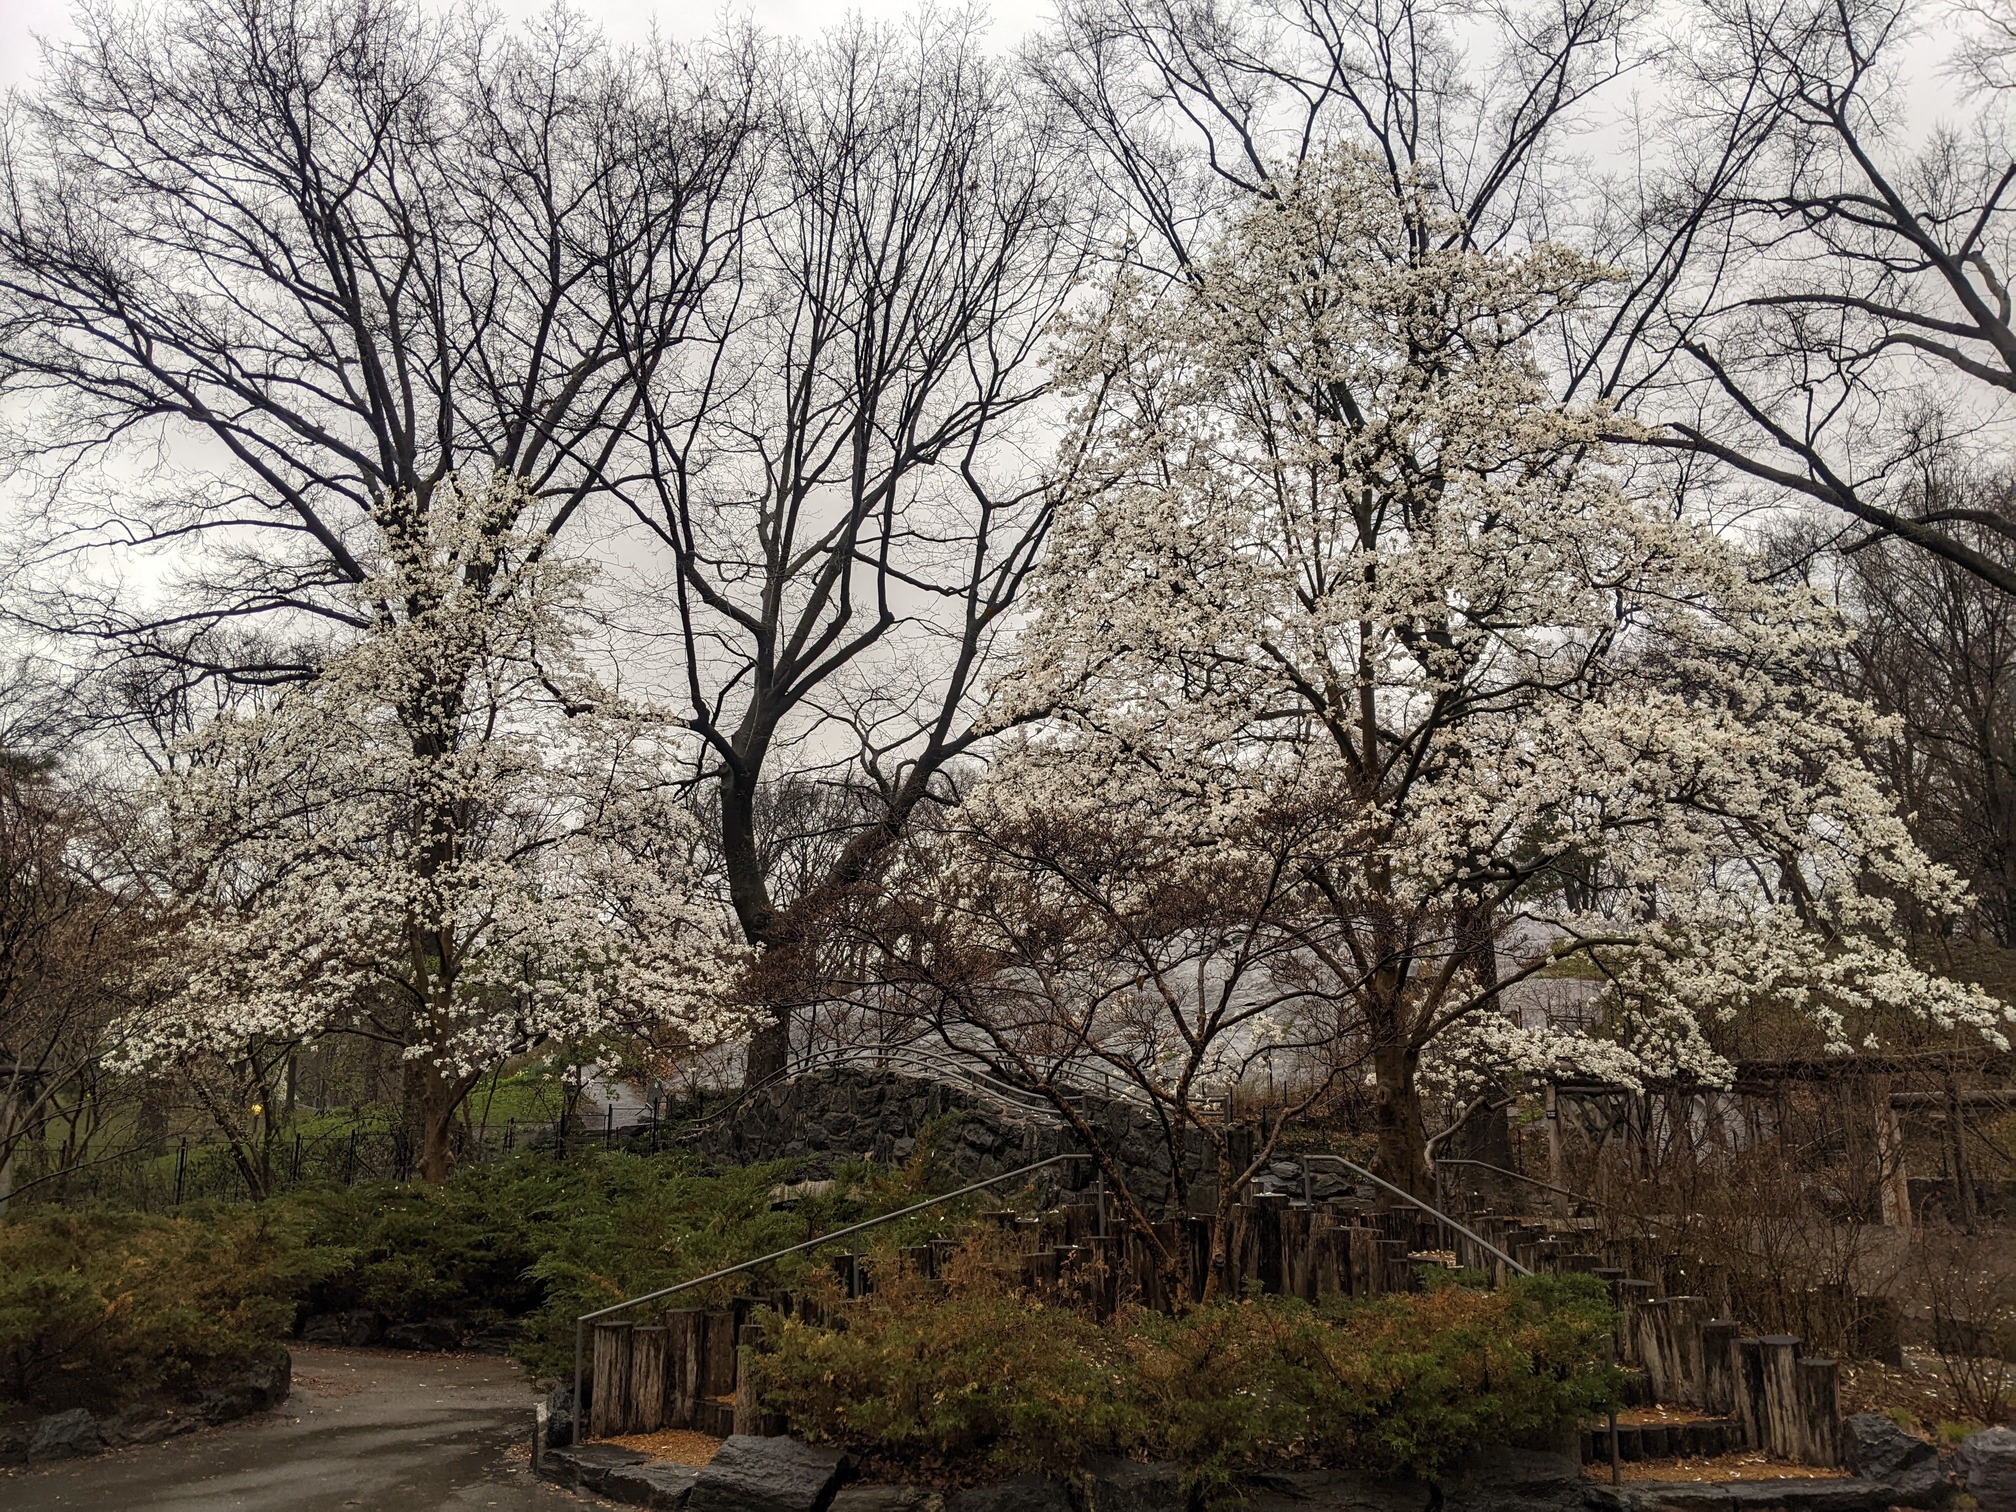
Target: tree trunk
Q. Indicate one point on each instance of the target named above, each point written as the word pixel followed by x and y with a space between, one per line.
pixel 433 1101
pixel 1403 1136
pixel 749 896
pixel 769 1046
pixel 9 1148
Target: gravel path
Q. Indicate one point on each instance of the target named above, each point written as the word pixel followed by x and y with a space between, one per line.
pixel 377 1431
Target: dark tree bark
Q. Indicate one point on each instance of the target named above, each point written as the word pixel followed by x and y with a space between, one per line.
pixel 835 487
pixel 268 276
pixel 1843 327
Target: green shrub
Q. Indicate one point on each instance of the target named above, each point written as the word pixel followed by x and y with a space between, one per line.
pixel 110 1307
pixel 98 1302
pixel 964 1377
pixel 533 1242
pixel 967 1375
pixel 1416 1381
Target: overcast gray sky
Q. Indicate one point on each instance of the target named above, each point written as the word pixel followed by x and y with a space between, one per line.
pixel 22 21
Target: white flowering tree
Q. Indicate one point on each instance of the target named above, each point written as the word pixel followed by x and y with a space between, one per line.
pixel 1333 550
pixel 451 839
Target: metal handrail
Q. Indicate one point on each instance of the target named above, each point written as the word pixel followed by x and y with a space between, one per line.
pixel 1436 1213
pixel 1545 1186
pixel 581 1323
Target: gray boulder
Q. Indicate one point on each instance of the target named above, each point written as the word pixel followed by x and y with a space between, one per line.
pixel 664 1488
pixel 65 1435
pixel 750 1474
pixel 1029 1493
pixel 560 1417
pixel 863 1496
pixel 1336 1491
pixel 132 1425
pixel 145 1423
pixel 260 1389
pixel 1987 1465
pixel 1118 1485
pixel 435 1335
pixel 1514 1480
pixel 1791 1495
pixel 1876 1447
pixel 356 1329
pixel 589 1467
pixel 1908 1468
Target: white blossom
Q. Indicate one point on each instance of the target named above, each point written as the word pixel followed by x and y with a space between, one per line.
pixel 1328 543
pixel 451 836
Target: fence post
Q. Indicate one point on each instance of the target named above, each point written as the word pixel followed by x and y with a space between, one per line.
pixel 181 1165
pixel 609 1128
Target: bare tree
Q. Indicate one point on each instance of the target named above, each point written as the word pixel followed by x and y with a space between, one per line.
pixel 1192 105
pixel 1845 320
pixel 837 486
pixel 1935 648
pixel 1125 962
pixel 269 274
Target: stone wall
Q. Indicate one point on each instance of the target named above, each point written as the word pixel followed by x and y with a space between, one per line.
pixel 79 1431
pixel 848 1112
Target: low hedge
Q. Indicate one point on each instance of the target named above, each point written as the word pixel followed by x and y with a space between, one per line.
pixel 528 1244
pixel 969 1378
pixel 100 1309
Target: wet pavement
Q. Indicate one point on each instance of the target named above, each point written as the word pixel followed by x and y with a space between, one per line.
pixel 376 1431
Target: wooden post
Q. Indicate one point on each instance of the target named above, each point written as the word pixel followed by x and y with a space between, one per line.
pixel 1330 1261
pixel 1267 1236
pixel 686 1343
pixel 609 1409
pixel 1366 1280
pixel 1782 1418
pixel 1686 1316
pixel 746 1414
pixel 1557 1198
pixel 1819 1403
pixel 1715 1286
pixel 1748 1382
pixel 1718 1366
pixel 1298 1272
pixel 1240 1245
pixel 717 1363
pixel 1653 1346
pixel 1396 1275
pixel 1632 1294
pixel 1893 1198
pixel 648 1387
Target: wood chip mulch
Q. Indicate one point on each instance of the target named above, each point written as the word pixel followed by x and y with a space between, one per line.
pixel 672 1446
pixel 1749 1466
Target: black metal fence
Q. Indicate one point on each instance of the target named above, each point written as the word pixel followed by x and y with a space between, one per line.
pixel 161 1174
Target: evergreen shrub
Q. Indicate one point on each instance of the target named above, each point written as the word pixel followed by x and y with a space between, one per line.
pixel 97 1309
pixel 967 1376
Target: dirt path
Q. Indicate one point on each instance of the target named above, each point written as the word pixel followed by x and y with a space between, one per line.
pixel 379 1432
